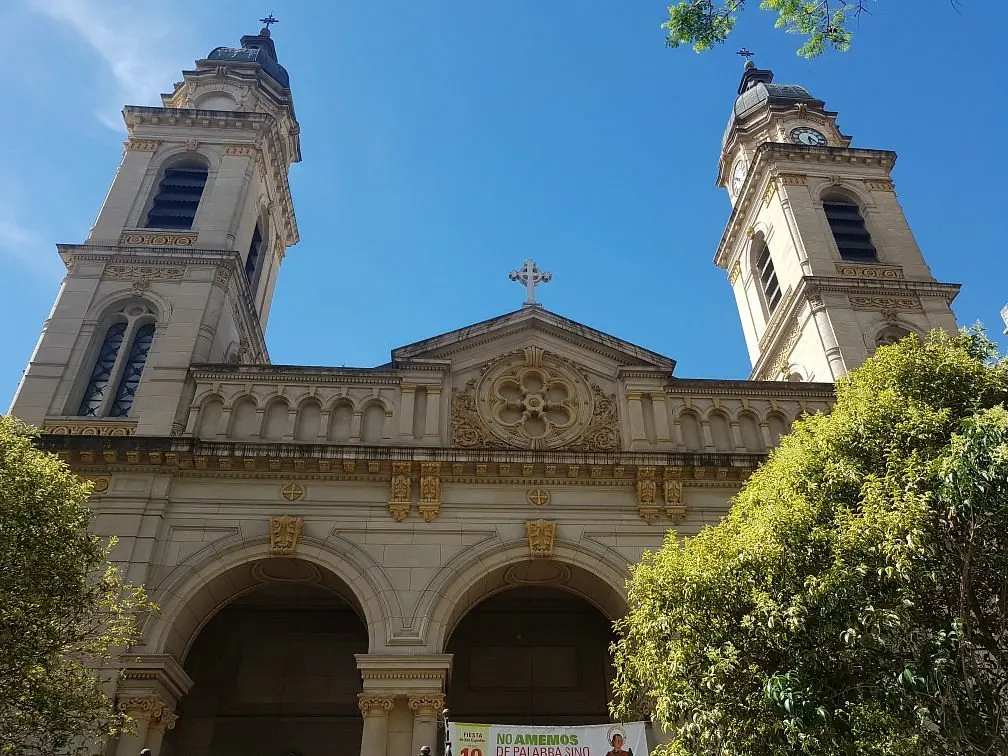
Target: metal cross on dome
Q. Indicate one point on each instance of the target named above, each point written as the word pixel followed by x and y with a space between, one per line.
pixel 530 276
pixel 269 20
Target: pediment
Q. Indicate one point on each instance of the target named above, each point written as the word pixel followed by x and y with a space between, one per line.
pixel 532 326
pixel 532 379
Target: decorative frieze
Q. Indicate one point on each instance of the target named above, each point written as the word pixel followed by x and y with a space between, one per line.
pixel 429 505
pixel 734 273
pixel 541 536
pixel 792 179
pixel 158 238
pixel 241 150
pixel 399 501
pixel 912 304
pixel 284 533
pixel 887 272
pixel 142 145
pixel 880 185
pixel 90 427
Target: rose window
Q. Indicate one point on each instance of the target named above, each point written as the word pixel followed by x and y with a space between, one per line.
pixel 533 403
pixel 533 399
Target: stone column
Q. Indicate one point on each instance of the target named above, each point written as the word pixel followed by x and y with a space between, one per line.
pixel 152 716
pixel 374 740
pixel 432 428
pixel 425 709
pixel 406 411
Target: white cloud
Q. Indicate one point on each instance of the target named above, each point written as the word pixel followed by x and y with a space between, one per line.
pixel 24 247
pixel 134 40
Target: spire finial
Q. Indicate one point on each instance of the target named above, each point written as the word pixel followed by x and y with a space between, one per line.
pixel 747 54
pixel 265 32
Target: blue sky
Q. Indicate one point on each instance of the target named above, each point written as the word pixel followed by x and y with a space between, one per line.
pixel 445 142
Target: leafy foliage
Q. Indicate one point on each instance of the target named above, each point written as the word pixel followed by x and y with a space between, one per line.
pixel 853 600
pixel 703 24
pixel 63 607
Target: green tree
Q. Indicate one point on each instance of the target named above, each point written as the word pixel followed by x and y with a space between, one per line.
pixel 704 23
pixel 64 608
pixel 853 599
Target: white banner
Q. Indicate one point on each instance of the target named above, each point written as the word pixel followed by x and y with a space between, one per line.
pixel 468 739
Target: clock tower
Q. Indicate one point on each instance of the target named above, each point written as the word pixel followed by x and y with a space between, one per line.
pixel 817 249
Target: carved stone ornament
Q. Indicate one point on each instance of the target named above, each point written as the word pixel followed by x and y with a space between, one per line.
pixel 149 707
pixel 647 495
pixel 541 535
pixel 158 239
pixel 886 303
pixel 292 491
pixel 888 272
pixel 374 706
pixel 428 703
pixel 675 509
pixel 534 399
pixel 90 427
pixel 734 273
pixel 429 505
pixel 538 496
pixel 284 533
pixel 142 145
pixel 399 500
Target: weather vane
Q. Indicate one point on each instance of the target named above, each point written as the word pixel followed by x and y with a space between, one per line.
pixel 745 53
pixel 268 20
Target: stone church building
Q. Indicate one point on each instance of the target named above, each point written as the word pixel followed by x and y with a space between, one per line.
pixel 340 553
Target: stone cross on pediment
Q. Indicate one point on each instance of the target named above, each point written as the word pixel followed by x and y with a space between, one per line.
pixel 530 276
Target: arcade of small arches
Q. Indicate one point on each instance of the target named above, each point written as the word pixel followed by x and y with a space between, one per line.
pixel 343 420
pixel 283 654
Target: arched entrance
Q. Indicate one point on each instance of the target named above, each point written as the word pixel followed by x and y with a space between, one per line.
pixel 532 654
pixel 273 671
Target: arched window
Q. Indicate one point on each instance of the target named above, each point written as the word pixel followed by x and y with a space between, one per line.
pixel 130 380
pixel 101 375
pixel 769 287
pixel 848 227
pixel 178 196
pixel 253 259
pixel 119 365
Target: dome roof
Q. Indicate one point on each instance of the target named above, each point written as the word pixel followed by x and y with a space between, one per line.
pixel 757 90
pixel 259 49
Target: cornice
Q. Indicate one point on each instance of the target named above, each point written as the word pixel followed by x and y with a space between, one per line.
pixel 295 374
pixel 251 459
pixel 751 388
pixel 766 157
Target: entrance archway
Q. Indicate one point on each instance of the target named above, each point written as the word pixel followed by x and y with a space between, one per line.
pixel 534 654
pixel 273 671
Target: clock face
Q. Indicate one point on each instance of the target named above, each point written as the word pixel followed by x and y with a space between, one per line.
pixel 738 176
pixel 808 136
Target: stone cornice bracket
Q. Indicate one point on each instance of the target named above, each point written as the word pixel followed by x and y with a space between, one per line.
pixel 675 509
pixel 401 495
pixel 541 537
pixel 647 500
pixel 149 707
pixel 375 706
pixel 429 505
pixel 428 704
pixel 284 532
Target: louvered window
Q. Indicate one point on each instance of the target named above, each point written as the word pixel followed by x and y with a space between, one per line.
pixel 130 380
pixel 768 279
pixel 252 261
pixel 101 376
pixel 848 227
pixel 178 196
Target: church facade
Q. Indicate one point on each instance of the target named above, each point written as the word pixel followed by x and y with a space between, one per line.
pixel 338 554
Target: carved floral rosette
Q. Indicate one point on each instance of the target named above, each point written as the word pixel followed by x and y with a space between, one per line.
pixel 534 399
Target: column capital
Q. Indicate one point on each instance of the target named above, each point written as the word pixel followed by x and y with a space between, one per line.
pixel 429 703
pixel 149 707
pixel 375 706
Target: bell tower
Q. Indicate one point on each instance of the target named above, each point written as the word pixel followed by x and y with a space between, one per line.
pixel 817 249
pixel 182 261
